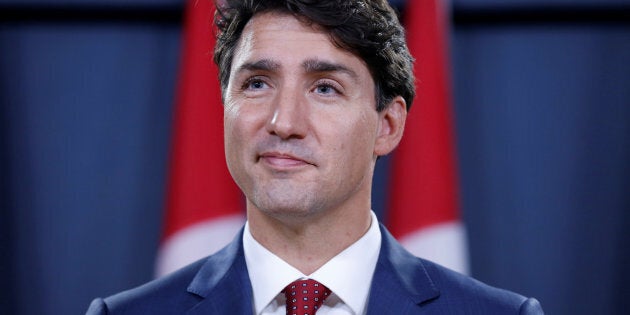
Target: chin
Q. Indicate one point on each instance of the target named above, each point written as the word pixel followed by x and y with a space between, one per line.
pixel 287 207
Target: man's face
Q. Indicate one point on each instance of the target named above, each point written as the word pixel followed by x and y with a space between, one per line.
pixel 301 127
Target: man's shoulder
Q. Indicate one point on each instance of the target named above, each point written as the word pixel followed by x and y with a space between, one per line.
pixel 220 274
pixel 165 295
pixel 458 290
pixel 438 289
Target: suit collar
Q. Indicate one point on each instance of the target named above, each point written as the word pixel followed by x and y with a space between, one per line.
pixel 223 282
pixel 401 281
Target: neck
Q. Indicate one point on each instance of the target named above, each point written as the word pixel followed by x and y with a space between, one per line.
pixel 308 242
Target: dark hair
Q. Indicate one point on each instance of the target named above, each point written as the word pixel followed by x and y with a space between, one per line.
pixel 367 28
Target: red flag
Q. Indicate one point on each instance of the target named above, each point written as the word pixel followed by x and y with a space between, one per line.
pixel 204 205
pixel 423 210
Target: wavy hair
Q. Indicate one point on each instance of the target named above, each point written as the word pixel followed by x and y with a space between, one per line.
pixel 370 29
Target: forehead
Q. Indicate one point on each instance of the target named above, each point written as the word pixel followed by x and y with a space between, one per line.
pixel 272 23
pixel 285 39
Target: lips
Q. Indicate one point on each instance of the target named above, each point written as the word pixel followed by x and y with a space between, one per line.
pixel 283 160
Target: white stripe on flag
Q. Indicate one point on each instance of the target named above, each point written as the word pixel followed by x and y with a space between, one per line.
pixel 196 241
pixel 443 243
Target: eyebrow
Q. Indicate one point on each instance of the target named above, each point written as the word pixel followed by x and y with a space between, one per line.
pixel 315 65
pixel 259 65
pixel 310 66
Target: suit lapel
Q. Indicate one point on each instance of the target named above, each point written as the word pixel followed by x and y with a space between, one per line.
pixel 223 283
pixel 400 283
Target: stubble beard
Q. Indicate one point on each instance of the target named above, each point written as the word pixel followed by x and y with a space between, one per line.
pixel 285 201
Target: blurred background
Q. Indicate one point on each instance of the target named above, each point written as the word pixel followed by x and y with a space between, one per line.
pixel 542 113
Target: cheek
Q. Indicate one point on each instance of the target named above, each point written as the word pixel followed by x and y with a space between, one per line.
pixel 229 128
pixel 355 140
pixel 243 125
pixel 364 131
pixel 234 132
pixel 237 122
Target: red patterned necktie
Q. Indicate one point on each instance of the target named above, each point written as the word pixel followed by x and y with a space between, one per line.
pixel 304 297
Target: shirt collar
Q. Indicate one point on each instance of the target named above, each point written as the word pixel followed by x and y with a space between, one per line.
pixel 267 272
pixel 348 275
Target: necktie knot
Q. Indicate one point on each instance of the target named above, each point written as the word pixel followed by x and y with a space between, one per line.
pixel 304 297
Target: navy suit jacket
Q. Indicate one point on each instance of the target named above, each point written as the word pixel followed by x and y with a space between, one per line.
pixel 402 284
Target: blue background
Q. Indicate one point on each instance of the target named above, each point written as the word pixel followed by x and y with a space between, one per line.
pixel 542 106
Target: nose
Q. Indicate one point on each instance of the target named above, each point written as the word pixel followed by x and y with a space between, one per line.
pixel 289 118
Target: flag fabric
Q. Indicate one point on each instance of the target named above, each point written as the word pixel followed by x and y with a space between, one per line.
pixel 423 208
pixel 204 205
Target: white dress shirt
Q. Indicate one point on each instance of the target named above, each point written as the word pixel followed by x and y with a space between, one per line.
pixel 348 275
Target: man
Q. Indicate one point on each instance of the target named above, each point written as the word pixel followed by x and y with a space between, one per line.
pixel 314 92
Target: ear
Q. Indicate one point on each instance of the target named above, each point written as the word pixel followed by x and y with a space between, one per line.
pixel 391 126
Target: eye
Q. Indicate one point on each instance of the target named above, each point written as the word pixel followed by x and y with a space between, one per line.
pixel 326 88
pixel 254 84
